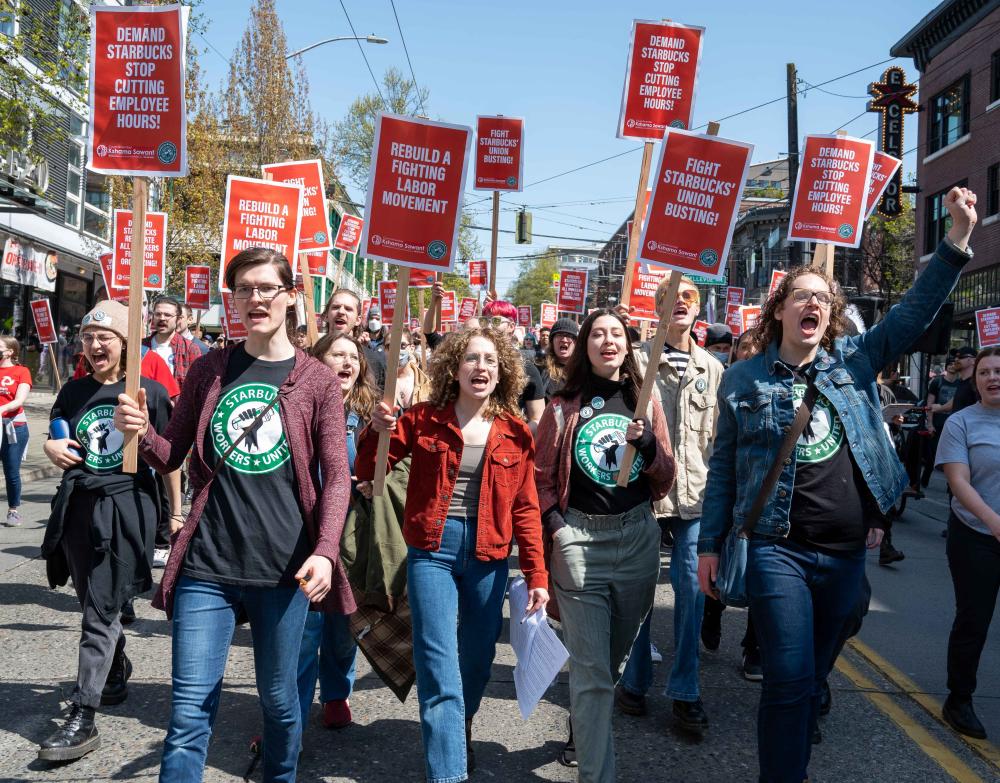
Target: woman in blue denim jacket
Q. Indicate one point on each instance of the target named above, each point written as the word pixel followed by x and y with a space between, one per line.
pixel 807 553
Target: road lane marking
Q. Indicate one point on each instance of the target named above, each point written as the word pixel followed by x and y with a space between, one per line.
pixel 945 758
pixel 985 749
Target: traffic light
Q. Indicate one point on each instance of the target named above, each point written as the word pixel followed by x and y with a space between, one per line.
pixel 522 228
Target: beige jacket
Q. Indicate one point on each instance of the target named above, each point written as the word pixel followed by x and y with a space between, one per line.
pixel 690 406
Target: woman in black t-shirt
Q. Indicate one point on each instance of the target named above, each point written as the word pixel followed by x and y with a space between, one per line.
pixel 102 524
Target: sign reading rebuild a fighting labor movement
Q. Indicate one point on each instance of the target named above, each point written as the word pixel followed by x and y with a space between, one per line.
pixel 41 311
pixel 987 327
pixel 387 300
pixel 645 281
pixel 314 232
pixel 499 163
pixel 415 188
pixel 154 250
pixel 695 202
pixel 259 213
pixel 660 79
pixel 137 111
pixel 831 190
pixel 572 291
pixel 349 233
pixel 198 287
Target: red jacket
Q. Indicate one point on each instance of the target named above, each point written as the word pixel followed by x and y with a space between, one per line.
pixel 508 504
pixel 186 353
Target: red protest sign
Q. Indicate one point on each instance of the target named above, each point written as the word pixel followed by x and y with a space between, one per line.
pixel 259 213
pixel 499 163
pixel 387 301
pixel 524 315
pixel 831 190
pixel 776 277
pixel 198 287
pixel 45 328
pixel 467 308
pixel 349 233
pixel 415 192
pixel 572 291
pixel 365 305
pixel 314 228
pixel 700 331
pixel 317 263
pixel 660 79
pixel 987 326
pixel 549 315
pixel 733 320
pixel 645 281
pixel 154 251
pixel 420 278
pixel 477 272
pixel 735 294
pixel 137 112
pixel 695 202
pixel 884 168
pixel 449 307
pixel 106 261
pixel 749 316
pixel 234 327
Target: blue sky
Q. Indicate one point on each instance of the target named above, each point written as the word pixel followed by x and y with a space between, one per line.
pixel 561 65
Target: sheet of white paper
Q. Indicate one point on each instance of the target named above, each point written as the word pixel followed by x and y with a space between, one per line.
pixel 540 654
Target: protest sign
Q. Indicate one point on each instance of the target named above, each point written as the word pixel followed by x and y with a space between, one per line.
pixel 467 308
pixel 259 213
pixel 317 263
pixel 645 281
pixel 366 304
pixel 235 328
pixel 420 278
pixel 749 316
pixel 415 192
pixel 387 293
pixel 776 277
pixel 499 162
pixel 524 315
pixel 477 272
pixel 137 111
pixel 988 327
pixel 349 233
pixel 572 291
pixel 831 190
pixel 550 314
pixel 660 78
pixel 700 332
pixel 314 222
pixel 449 308
pixel 154 250
pixel 733 319
pixel 695 202
pixel 105 260
pixel 197 287
pixel 735 294
pixel 45 328
pixel 884 168
pixel 27 265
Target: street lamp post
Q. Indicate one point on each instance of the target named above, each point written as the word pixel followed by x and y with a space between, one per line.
pixel 373 39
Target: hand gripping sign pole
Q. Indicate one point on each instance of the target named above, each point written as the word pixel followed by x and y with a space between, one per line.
pixel 133 354
pixel 392 361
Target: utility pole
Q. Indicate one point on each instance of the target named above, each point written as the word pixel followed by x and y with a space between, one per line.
pixel 794 248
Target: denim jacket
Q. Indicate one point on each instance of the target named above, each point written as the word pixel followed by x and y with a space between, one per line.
pixel 755 409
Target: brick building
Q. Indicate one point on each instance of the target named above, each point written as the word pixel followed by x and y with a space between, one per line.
pixel 956 48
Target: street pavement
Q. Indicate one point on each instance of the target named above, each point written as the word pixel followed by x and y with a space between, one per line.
pixel 880 728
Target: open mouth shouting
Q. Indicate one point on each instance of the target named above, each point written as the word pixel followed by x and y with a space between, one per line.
pixel 809 324
pixel 480 382
pixel 258 315
pixel 99 358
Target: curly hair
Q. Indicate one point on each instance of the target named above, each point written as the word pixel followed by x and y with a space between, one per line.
pixel 363 395
pixel 578 367
pixel 511 378
pixel 769 327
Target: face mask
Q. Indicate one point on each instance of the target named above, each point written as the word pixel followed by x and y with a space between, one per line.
pixel 722 357
pixel 374 325
pixel 404 357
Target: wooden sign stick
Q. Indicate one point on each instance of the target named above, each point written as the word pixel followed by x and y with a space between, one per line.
pixel 312 332
pixel 391 363
pixel 493 243
pixel 136 275
pixel 640 209
pixel 437 305
pixel 422 311
pixel 823 258
pixel 53 348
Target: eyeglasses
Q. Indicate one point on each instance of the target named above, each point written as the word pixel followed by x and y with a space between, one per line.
pixel 499 320
pixel 265 292
pixel 102 339
pixel 803 295
pixel 689 296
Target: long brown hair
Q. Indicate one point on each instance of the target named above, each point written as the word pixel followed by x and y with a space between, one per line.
pixel 363 395
pixel 256 256
pixel 769 327
pixel 511 379
pixel 579 369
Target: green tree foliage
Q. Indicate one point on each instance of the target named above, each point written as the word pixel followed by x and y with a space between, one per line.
pixel 534 281
pixel 887 247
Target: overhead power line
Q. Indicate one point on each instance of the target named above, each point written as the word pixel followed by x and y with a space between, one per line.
pixel 420 97
pixel 365 56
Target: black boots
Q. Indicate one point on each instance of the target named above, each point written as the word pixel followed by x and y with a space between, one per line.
pixel 75 738
pixel 116 686
pixel 958 714
pixel 470 754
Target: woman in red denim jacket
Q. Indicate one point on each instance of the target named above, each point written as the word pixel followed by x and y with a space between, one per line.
pixel 472 489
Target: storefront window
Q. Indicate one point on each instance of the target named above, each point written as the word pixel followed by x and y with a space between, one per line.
pixel 97 209
pixel 74 173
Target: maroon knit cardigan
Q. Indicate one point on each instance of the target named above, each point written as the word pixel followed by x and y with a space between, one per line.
pixel 312 412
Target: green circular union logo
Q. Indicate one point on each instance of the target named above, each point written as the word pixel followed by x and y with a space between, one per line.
pixel 264 448
pixel 599 446
pixel 437 249
pixel 102 442
pixel 845 231
pixel 824 435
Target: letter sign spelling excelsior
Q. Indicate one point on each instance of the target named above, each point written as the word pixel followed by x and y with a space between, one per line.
pixel 137 111
pixel 831 190
pixel 660 79
pixel 415 190
pixel 314 231
pixel 499 162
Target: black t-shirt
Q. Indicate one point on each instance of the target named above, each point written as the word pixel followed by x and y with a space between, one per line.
pixel 251 531
pixel 827 511
pixel 943 391
pixel 965 395
pixel 89 407
pixel 534 389
pixel 598 445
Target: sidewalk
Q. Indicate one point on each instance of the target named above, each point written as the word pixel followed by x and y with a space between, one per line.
pixel 36 465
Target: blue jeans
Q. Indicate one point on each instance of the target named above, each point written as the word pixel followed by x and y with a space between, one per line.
pixel 328 651
pixel 204 620
pixel 11 455
pixel 457 606
pixel 801 598
pixel 689 607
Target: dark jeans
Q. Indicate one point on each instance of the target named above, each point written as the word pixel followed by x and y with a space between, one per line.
pixel 715 608
pixel 801 600
pixel 974 561
pixel 11 455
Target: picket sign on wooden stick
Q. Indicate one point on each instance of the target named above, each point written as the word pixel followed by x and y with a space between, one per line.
pixel 493 243
pixel 312 332
pixel 392 362
pixel 422 311
pixel 640 207
pixel 659 340
pixel 823 257
pixel 55 365
pixel 437 305
pixel 133 353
